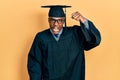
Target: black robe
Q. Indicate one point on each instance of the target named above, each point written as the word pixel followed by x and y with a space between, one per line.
pixel 49 59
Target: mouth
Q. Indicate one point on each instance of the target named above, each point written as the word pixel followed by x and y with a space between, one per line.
pixel 55 29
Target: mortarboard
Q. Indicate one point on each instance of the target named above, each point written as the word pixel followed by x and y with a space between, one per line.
pixel 57 11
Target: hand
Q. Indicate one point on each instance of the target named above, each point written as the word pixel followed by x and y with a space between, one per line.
pixel 78 17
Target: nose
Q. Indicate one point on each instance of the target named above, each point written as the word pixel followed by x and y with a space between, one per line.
pixel 56 23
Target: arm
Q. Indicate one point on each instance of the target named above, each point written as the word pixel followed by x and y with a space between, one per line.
pixel 92 35
pixel 35 61
pixel 90 32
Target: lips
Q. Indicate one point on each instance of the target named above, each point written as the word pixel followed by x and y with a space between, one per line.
pixel 55 29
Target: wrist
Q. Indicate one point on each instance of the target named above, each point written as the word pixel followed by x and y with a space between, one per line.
pixel 83 20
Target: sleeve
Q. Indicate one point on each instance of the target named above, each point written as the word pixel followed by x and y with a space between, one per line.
pixel 92 36
pixel 35 61
pixel 86 24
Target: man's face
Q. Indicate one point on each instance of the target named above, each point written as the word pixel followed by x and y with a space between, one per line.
pixel 56 23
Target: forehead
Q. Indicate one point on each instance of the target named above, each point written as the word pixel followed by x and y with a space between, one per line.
pixel 57 17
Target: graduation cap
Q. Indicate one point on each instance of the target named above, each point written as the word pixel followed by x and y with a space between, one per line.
pixel 57 11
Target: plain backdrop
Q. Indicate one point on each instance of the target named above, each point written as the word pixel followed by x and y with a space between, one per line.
pixel 20 20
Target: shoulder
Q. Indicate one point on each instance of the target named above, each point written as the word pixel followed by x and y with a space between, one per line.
pixel 72 27
pixel 42 34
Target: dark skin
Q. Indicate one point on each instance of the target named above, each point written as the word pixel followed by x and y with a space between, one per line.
pixel 56 23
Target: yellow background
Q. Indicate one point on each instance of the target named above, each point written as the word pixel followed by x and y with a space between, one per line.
pixel 20 20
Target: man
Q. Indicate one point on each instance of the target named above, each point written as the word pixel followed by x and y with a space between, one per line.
pixel 58 53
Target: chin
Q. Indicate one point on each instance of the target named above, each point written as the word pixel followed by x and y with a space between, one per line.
pixel 55 32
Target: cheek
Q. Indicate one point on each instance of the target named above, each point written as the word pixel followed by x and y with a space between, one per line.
pixel 50 25
pixel 61 25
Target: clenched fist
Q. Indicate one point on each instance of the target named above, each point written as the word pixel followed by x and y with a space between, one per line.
pixel 78 17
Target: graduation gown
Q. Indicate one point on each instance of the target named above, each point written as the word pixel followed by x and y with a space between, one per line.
pixel 49 59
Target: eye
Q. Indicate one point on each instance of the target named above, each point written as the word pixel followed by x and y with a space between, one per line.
pixel 59 20
pixel 53 20
pixel 56 20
